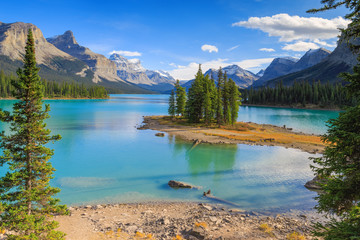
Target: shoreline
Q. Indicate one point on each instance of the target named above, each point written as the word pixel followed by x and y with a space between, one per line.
pixel 315 107
pixel 62 98
pixel 254 134
pixel 188 220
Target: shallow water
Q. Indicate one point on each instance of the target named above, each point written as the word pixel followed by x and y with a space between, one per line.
pixel 103 157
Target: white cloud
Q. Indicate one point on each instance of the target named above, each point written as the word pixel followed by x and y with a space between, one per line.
pixel 127 53
pixel 189 71
pixel 290 28
pixel 325 44
pixel 233 48
pixel 209 48
pixel 300 46
pixel 173 64
pixel 267 49
pixel 253 63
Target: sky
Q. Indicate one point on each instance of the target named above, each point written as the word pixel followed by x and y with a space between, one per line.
pixel 178 35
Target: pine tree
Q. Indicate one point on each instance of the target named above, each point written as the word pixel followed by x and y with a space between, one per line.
pixel 171 109
pixel 180 99
pixel 225 100
pixel 219 101
pixel 340 164
pixel 27 202
pixel 208 106
pixel 194 104
pixel 234 101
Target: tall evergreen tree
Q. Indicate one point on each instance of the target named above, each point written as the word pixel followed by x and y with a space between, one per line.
pixel 208 105
pixel 180 99
pixel 340 164
pixel 171 109
pixel 27 202
pixel 219 99
pixel 225 100
pixel 234 100
pixel 194 104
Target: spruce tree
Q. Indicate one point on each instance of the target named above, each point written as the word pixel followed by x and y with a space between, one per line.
pixel 194 104
pixel 340 164
pixel 180 99
pixel 27 203
pixel 225 100
pixel 219 99
pixel 171 109
pixel 234 100
pixel 207 105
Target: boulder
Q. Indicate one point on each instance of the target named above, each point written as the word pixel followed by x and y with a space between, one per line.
pixel 160 134
pixel 177 184
pixel 314 184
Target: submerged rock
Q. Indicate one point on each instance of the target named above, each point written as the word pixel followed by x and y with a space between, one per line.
pixel 160 134
pixel 177 184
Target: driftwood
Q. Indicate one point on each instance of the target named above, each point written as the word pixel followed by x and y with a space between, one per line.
pixel 216 199
pixel 195 143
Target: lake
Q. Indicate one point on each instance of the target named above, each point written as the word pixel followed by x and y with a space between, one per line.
pixel 103 158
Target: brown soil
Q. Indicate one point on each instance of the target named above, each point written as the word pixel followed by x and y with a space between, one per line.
pixel 243 133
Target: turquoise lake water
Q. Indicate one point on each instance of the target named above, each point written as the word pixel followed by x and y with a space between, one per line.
pixel 103 158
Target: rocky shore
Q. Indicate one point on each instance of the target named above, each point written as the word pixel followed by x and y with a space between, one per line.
pixel 192 221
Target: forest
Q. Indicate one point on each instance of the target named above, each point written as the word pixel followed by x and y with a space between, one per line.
pixel 300 94
pixel 54 89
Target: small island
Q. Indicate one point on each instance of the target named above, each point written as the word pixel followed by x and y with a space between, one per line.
pixel 238 133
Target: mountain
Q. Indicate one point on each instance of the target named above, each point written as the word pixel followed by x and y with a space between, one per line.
pixel 13 38
pixel 102 67
pixel 278 67
pixel 282 66
pixel 340 60
pixel 260 73
pixel 133 72
pixel 55 64
pixel 242 78
pixel 310 58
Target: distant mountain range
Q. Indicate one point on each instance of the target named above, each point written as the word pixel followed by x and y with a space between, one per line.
pixel 243 78
pixel 133 72
pixel 61 58
pixel 283 66
pixel 327 70
pixel 277 68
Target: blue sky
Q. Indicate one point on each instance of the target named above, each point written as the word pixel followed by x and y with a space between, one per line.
pixel 176 35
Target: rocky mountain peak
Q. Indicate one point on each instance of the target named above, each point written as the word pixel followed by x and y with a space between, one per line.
pixel 13 38
pixel 260 73
pixel 130 65
pixel 240 76
pixel 99 64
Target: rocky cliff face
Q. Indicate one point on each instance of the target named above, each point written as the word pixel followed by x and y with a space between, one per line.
pixel 278 67
pixel 311 58
pixel 102 67
pixel 241 77
pixel 284 66
pixel 327 70
pixel 133 72
pixel 13 38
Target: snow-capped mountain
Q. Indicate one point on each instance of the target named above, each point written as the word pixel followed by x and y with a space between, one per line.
pixel 243 78
pixel 133 72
